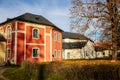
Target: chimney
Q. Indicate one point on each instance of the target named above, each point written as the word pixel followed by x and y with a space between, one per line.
pixel 8 19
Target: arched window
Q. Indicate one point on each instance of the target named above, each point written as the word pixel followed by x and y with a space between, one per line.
pixel 9 32
pixel 35 33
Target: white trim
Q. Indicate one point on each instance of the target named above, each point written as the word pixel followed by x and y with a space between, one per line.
pixel 21 31
pixel 37 35
pixel 47 34
pixel 8 43
pixel 51 44
pixel 35 44
pixel 37 53
pixel 15 55
pixel 45 45
pixel 25 42
pixel 35 25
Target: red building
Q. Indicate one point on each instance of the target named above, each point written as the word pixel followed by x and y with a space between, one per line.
pixel 31 37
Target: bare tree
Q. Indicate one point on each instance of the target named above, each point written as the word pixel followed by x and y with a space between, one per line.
pixel 97 16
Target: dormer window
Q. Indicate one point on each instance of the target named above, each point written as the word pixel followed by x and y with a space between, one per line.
pixel 37 18
pixel 35 33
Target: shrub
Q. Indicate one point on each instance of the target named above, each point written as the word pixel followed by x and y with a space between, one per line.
pixel 68 70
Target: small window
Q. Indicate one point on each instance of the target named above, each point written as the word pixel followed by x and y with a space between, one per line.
pixel 9 32
pixel 59 54
pixel 59 37
pixel 86 53
pixel 35 53
pixel 103 53
pixel 8 53
pixel 68 55
pixel 55 54
pixel 35 33
pixel 55 36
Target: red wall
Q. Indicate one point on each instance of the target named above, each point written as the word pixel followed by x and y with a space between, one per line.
pixel 29 53
pixel 29 35
pixel 32 43
pixel 12 46
pixel 56 45
pixel 48 44
pixel 21 26
pixel 20 47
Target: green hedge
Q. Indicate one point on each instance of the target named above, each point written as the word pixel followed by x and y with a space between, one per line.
pixel 66 70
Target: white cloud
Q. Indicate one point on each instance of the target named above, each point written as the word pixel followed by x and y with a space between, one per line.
pixel 59 16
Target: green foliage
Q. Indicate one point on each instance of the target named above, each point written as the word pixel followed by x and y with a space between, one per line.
pixel 66 70
pixel 27 71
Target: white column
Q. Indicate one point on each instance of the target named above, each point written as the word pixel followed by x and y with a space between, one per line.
pixel 45 44
pixel 15 52
pixel 25 42
pixel 51 44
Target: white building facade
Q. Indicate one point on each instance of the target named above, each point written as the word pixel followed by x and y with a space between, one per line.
pixel 77 46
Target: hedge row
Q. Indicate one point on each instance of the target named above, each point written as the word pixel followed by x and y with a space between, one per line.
pixel 67 70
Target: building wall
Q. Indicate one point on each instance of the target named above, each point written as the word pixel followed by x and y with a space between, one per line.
pixel 48 45
pixel 56 45
pixel 86 52
pixel 21 42
pixel 74 54
pixel 2 51
pixel 104 53
pixel 89 50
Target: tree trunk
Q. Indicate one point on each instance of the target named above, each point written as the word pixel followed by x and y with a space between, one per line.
pixel 114 43
pixel 114 24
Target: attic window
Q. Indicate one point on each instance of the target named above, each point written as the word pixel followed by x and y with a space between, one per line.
pixel 37 18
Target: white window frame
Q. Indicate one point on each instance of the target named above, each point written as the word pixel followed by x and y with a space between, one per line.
pixel 55 36
pixel 37 53
pixel 59 38
pixel 33 33
pixel 55 54
pixel 68 56
pixel 59 53
pixel 9 33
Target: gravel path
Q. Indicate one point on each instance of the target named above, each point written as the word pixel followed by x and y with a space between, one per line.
pixel 2 69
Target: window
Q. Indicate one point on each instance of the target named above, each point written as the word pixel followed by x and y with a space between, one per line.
pixel 8 53
pixel 68 55
pixel 9 32
pixel 59 37
pixel 35 33
pixel 35 53
pixel 86 53
pixel 55 54
pixel 103 53
pixel 59 54
pixel 55 36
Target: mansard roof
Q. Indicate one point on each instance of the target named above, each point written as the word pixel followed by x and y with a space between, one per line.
pixel 78 36
pixel 74 45
pixel 33 18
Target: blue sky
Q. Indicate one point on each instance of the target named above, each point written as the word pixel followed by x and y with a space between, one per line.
pixel 57 11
